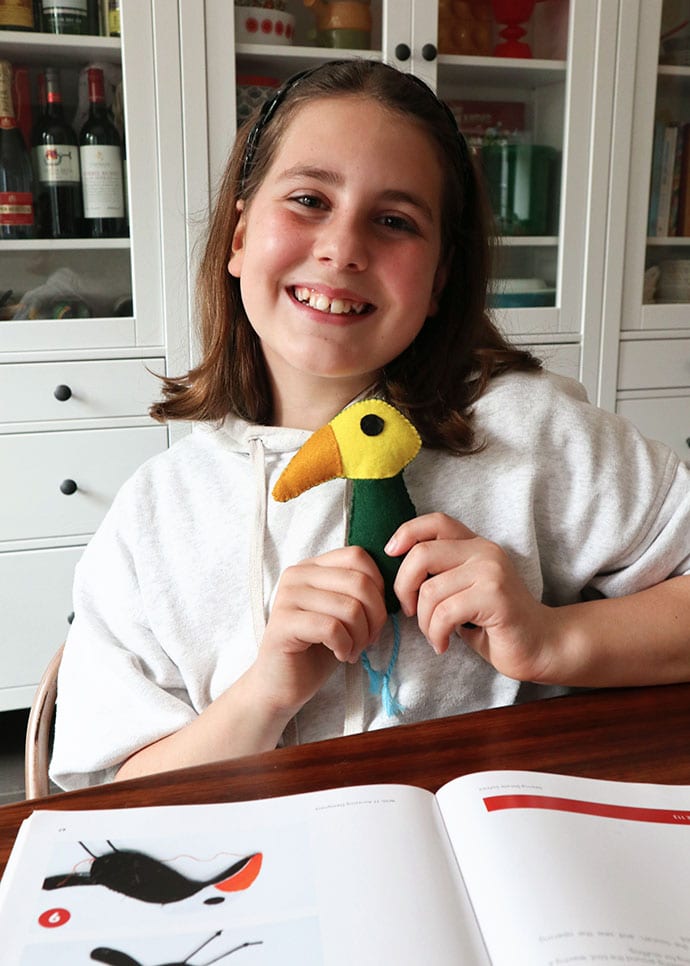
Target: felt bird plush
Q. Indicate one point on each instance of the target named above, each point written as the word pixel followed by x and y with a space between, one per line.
pixel 369 443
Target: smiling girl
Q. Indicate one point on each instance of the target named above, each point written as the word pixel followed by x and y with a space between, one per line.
pixel 348 256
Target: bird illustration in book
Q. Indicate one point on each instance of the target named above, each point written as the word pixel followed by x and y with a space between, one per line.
pixel 114 957
pixel 140 876
pixel 370 443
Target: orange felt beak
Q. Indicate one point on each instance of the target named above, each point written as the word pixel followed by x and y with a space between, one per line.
pixel 317 461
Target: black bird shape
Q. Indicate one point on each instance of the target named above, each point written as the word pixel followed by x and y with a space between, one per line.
pixel 113 957
pixel 139 876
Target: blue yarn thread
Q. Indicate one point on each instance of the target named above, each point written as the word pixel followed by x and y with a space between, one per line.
pixel 380 681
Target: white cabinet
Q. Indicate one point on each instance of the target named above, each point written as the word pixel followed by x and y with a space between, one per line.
pixel 645 364
pixel 75 392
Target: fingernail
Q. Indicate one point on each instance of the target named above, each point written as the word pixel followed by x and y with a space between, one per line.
pixel 392 546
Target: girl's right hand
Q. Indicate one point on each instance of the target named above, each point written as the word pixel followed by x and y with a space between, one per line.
pixel 327 610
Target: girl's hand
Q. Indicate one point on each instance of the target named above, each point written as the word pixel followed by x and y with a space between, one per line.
pixel 454 580
pixel 327 610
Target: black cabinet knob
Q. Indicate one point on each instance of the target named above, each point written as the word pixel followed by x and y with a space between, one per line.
pixel 70 617
pixel 688 440
pixel 429 52
pixel 62 393
pixel 68 487
pixel 402 52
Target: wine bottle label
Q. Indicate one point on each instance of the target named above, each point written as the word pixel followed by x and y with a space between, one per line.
pixel 65 7
pixel 16 208
pixel 101 174
pixel 14 13
pixel 56 163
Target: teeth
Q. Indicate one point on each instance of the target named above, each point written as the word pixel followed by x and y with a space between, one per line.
pixel 321 302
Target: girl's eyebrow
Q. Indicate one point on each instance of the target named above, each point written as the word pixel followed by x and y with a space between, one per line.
pixel 329 177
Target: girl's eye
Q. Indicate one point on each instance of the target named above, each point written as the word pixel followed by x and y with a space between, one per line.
pixel 398 223
pixel 307 201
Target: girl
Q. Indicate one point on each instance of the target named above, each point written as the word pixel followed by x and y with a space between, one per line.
pixel 348 255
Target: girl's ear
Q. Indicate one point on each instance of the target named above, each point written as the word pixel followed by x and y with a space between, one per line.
pixel 237 246
pixel 440 279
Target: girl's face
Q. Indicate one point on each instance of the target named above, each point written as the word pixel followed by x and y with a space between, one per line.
pixel 339 251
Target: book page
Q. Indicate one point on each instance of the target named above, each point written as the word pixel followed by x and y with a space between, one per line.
pixel 341 877
pixel 574 871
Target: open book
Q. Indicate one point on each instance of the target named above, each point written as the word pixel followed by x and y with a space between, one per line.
pixel 498 869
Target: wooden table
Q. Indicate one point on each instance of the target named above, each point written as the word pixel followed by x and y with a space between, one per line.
pixel 639 734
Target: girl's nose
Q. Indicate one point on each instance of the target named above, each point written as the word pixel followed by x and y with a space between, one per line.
pixel 341 242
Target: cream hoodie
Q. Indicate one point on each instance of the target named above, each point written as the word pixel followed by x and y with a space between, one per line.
pixel 172 593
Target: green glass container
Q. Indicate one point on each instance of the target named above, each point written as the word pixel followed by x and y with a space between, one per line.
pixel 523 184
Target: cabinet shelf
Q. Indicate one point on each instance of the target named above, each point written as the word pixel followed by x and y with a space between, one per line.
pixel 528 241
pixel 59 49
pixel 65 244
pixel 285 59
pixel 669 240
pixel 491 71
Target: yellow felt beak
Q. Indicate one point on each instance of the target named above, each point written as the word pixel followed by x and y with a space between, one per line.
pixel 317 461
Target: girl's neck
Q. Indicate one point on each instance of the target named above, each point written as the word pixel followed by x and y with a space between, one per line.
pixel 310 405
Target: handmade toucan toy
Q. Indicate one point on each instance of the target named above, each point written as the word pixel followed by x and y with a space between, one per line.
pixel 369 443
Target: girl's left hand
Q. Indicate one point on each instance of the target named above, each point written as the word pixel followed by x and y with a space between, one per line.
pixel 454 580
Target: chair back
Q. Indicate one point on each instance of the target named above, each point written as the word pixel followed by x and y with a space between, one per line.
pixel 39 730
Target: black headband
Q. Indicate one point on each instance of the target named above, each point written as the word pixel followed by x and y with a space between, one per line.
pixel 271 105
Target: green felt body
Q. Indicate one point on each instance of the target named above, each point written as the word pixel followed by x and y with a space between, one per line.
pixel 379 507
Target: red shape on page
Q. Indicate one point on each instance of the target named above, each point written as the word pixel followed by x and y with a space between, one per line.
pixel 52 918
pixel 664 816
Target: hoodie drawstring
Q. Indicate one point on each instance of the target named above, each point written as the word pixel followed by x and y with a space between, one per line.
pixel 256 555
pixel 257 456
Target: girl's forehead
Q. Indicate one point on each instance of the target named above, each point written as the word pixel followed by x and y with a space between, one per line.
pixel 370 112
pixel 352 124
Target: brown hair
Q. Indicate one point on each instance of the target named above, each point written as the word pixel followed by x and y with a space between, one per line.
pixel 447 367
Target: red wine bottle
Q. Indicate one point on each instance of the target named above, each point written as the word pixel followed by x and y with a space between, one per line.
pixel 56 164
pixel 16 176
pixel 101 166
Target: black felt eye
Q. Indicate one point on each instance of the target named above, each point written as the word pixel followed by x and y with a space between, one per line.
pixel 371 425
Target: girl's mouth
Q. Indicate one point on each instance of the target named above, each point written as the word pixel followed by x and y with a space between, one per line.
pixel 322 303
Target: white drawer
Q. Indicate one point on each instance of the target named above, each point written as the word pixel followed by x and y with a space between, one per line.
pixel 34 465
pixel 654 364
pixel 35 605
pixel 666 418
pixel 118 387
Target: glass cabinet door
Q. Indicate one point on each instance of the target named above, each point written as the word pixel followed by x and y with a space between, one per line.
pixel 83 292
pixel 532 121
pixel 524 95
pixel 656 290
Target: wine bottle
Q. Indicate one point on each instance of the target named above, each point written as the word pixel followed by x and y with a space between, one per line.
pixel 113 18
pixel 65 16
pixel 21 98
pixel 101 166
pixel 94 17
pixel 17 15
pixel 56 164
pixel 16 178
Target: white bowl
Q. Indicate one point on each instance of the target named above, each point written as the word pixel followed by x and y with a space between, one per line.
pixel 255 25
pixel 676 269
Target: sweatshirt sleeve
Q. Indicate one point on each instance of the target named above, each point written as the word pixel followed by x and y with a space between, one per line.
pixel 118 690
pixel 618 504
